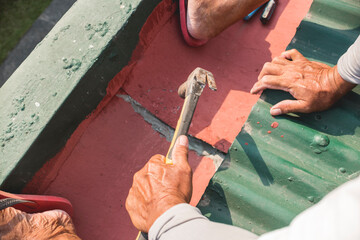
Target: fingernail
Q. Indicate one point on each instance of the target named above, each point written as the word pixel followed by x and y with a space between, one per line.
pixel 183 141
pixel 275 111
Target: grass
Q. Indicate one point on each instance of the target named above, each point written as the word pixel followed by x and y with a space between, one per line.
pixel 16 17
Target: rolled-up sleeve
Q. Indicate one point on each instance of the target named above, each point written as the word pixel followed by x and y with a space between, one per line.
pixel 185 222
pixel 349 63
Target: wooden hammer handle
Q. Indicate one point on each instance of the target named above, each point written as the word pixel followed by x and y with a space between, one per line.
pixel 183 124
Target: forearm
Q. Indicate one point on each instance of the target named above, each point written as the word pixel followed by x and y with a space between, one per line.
pixel 187 223
pixel 349 64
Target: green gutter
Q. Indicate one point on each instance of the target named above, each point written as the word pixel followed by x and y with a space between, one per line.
pixel 62 81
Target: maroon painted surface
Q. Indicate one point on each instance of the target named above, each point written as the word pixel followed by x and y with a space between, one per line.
pixel 97 175
pixel 95 168
pixel 235 58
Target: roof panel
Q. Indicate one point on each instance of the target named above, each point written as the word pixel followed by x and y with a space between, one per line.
pixel 270 177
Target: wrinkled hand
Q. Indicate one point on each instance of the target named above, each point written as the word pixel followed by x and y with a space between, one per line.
pixel 158 186
pixel 54 225
pixel 315 86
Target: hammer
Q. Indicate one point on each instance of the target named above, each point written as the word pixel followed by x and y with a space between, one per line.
pixel 191 91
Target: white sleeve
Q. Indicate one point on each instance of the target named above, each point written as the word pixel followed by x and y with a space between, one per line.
pixel 335 217
pixel 349 64
pixel 185 222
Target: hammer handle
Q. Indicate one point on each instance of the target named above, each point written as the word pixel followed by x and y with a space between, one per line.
pixel 183 124
pixel 182 128
pixel 142 236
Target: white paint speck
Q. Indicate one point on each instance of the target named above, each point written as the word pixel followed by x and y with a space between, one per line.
pixel 79 49
pixel 13 119
pixel 122 6
pixel 37 104
pixel 74 41
pixel 91 46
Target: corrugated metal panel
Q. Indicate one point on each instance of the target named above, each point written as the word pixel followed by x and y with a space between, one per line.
pixel 327 31
pixel 268 178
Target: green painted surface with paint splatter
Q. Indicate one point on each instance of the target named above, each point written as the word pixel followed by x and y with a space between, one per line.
pixel 272 174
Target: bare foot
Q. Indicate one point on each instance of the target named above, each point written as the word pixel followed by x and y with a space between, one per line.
pixel 54 225
pixel 208 18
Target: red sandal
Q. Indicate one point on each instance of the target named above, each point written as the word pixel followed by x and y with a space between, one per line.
pixel 193 42
pixel 35 203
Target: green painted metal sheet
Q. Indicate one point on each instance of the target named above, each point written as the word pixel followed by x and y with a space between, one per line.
pixel 268 178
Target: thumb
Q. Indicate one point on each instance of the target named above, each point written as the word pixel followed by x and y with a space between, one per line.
pixel 180 151
pixel 289 106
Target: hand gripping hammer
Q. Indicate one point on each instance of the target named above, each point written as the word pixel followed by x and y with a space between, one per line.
pixel 191 91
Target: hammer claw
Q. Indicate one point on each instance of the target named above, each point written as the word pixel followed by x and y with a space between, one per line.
pixel 201 77
pixel 211 81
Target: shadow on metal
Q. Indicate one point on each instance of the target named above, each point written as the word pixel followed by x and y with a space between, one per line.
pixel 271 174
pixel 256 159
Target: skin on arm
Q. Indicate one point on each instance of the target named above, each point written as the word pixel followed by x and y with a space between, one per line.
pixel 315 86
pixel 157 187
pixel 54 225
pixel 208 18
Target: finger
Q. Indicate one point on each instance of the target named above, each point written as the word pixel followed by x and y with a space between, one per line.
pixel 280 60
pixel 271 82
pixel 256 88
pixel 153 166
pixel 53 218
pixel 180 151
pixel 158 158
pixel 290 106
pixel 270 69
pixel 293 54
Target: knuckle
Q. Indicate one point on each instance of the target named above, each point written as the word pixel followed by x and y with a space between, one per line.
pixel 156 158
pixel 186 169
pixel 154 167
pixel 265 79
pixel 267 65
pixel 298 76
pixel 136 177
pixel 128 205
pixel 127 201
pixel 277 59
pixel 151 165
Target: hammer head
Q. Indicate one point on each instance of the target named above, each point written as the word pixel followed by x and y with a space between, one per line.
pixel 196 82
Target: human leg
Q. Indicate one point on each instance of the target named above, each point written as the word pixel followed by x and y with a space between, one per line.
pixel 208 18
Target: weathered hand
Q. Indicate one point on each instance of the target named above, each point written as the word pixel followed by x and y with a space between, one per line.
pixel 315 86
pixel 158 186
pixel 54 225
